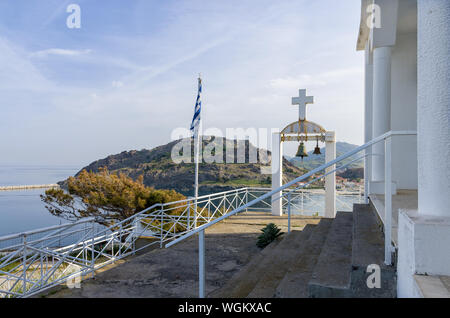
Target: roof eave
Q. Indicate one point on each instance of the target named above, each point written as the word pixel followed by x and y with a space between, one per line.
pixel 364 30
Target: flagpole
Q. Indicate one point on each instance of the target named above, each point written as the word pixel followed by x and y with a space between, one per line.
pixel 197 156
pixel 196 149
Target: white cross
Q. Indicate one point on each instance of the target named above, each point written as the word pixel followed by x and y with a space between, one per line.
pixel 302 100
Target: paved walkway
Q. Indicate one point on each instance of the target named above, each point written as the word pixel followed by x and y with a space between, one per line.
pixel 173 272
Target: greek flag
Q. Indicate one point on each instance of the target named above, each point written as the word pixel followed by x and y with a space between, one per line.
pixel 198 108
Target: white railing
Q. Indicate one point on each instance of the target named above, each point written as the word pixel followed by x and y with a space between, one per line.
pixel 279 191
pixel 34 261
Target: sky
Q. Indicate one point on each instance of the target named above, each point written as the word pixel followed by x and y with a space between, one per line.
pixel 128 76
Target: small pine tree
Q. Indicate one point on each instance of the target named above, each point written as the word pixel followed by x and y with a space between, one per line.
pixel 269 233
pixel 108 197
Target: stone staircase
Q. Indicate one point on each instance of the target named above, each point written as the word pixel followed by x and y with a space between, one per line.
pixel 329 259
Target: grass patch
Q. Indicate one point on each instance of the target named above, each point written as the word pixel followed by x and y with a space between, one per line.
pixel 10 266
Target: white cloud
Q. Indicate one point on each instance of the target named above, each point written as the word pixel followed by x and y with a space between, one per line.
pixel 59 52
pixel 147 73
pixel 17 72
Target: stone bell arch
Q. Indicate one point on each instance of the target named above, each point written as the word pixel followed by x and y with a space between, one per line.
pixel 302 131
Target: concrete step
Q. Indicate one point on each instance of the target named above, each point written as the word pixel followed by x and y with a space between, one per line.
pixel 332 273
pixel 243 282
pixel 278 264
pixel 368 240
pixel 295 282
pixel 368 249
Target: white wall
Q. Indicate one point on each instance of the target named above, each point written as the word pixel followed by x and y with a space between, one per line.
pixel 404 110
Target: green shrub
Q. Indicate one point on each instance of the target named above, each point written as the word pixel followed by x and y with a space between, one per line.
pixel 108 197
pixel 269 233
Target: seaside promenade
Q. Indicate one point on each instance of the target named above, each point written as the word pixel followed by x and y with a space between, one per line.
pixel 27 187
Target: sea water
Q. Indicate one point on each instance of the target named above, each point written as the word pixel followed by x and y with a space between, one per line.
pixel 23 210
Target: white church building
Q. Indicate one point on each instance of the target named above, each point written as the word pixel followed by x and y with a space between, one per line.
pixel 407 89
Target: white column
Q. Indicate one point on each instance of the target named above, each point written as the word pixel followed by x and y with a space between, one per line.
pixel 424 235
pixel 368 111
pixel 330 180
pixel 277 172
pixel 381 106
pixel 433 118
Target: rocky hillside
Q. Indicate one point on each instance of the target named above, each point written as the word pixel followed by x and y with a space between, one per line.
pixel 161 172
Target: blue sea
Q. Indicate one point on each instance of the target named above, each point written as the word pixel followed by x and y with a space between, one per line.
pixel 22 210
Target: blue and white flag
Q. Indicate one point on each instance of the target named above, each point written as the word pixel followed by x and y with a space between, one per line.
pixel 198 108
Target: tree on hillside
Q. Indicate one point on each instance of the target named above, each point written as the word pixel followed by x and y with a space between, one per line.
pixel 107 197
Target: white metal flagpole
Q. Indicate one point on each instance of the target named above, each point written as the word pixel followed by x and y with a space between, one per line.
pixel 196 125
pixel 196 151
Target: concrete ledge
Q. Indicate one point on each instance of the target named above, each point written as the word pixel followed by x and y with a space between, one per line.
pixel 378 206
pixel 431 236
pixel 422 241
pixel 405 199
pixel 431 286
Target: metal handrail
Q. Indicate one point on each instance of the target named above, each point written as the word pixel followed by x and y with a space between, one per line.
pixel 289 193
pixel 318 178
pixel 45 229
pixel 201 229
pixel 296 180
pixel 124 221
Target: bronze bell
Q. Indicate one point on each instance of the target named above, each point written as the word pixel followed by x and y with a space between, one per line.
pixel 317 149
pixel 301 152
